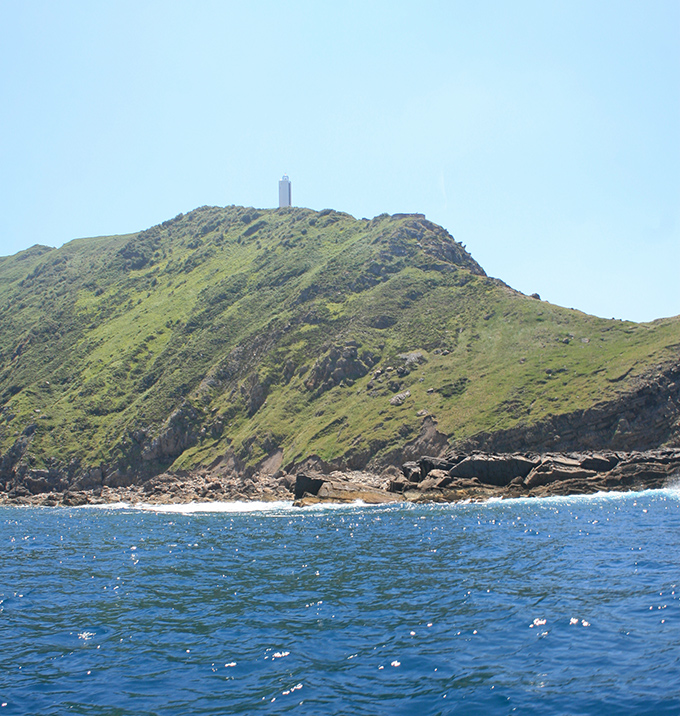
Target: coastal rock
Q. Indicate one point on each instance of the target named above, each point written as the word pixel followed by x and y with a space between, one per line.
pixel 313 490
pixel 552 470
pixel 427 464
pixel 400 484
pixel 313 483
pixel 497 470
pixel 436 480
pixel 646 475
pixel 429 442
pixel 118 479
pixel 411 471
pixel 75 499
pixel 440 478
pixel 464 483
pixel 88 480
pixel 599 461
pixel 178 434
pixel 428 483
pixel 308 484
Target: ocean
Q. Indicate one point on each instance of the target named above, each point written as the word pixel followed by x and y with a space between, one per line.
pixel 567 605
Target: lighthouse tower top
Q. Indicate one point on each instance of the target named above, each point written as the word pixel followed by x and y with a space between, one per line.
pixel 284 191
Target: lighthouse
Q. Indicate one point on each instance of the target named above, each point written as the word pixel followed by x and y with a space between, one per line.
pixel 284 191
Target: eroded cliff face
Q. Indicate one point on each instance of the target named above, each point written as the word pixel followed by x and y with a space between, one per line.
pixel 646 418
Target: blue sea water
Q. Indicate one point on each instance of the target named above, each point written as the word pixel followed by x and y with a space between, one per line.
pixel 530 606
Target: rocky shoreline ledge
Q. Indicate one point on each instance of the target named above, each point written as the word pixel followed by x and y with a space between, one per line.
pixel 453 478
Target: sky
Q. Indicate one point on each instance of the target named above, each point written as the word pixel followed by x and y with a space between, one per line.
pixel 543 135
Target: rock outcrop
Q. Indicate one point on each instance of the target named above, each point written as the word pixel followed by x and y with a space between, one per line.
pixel 340 487
pixel 484 475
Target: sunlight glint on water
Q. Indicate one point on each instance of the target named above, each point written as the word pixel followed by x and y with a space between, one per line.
pixel 565 604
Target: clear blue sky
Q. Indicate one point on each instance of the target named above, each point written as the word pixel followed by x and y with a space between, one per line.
pixel 543 135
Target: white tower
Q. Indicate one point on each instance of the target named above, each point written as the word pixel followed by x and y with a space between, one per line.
pixel 284 191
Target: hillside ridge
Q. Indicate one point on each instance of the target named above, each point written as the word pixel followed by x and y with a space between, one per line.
pixel 259 339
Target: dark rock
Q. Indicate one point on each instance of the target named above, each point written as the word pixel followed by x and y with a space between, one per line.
pixel 338 365
pixel 429 442
pixel 599 462
pixel 118 479
pixel 287 481
pixel 433 463
pixel 411 471
pixel 647 475
pixel 179 433
pixel 37 484
pixel 305 483
pixel 339 491
pixel 497 470
pixel 89 480
pixel 399 485
pixel 18 491
pixel 75 499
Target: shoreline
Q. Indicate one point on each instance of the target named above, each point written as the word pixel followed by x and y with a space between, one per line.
pixel 453 478
pixel 252 505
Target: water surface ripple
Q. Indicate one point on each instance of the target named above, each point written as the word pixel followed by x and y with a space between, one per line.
pixel 553 606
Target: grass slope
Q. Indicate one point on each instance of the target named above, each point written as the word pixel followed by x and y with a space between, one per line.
pixel 265 329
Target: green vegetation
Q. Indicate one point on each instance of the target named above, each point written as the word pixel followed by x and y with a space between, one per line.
pixel 267 328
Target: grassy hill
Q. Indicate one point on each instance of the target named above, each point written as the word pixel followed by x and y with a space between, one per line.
pixel 243 331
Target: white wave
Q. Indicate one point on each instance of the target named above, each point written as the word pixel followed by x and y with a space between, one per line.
pixel 194 507
pixel 102 506
pixel 255 506
pixel 671 491
pixel 604 495
pixel 321 506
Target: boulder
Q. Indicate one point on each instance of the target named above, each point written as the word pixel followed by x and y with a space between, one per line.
pixel 427 464
pixel 440 477
pixel 411 471
pixel 429 483
pixel 347 492
pixel 399 484
pixel 399 398
pixel 75 499
pixel 497 470
pixel 309 484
